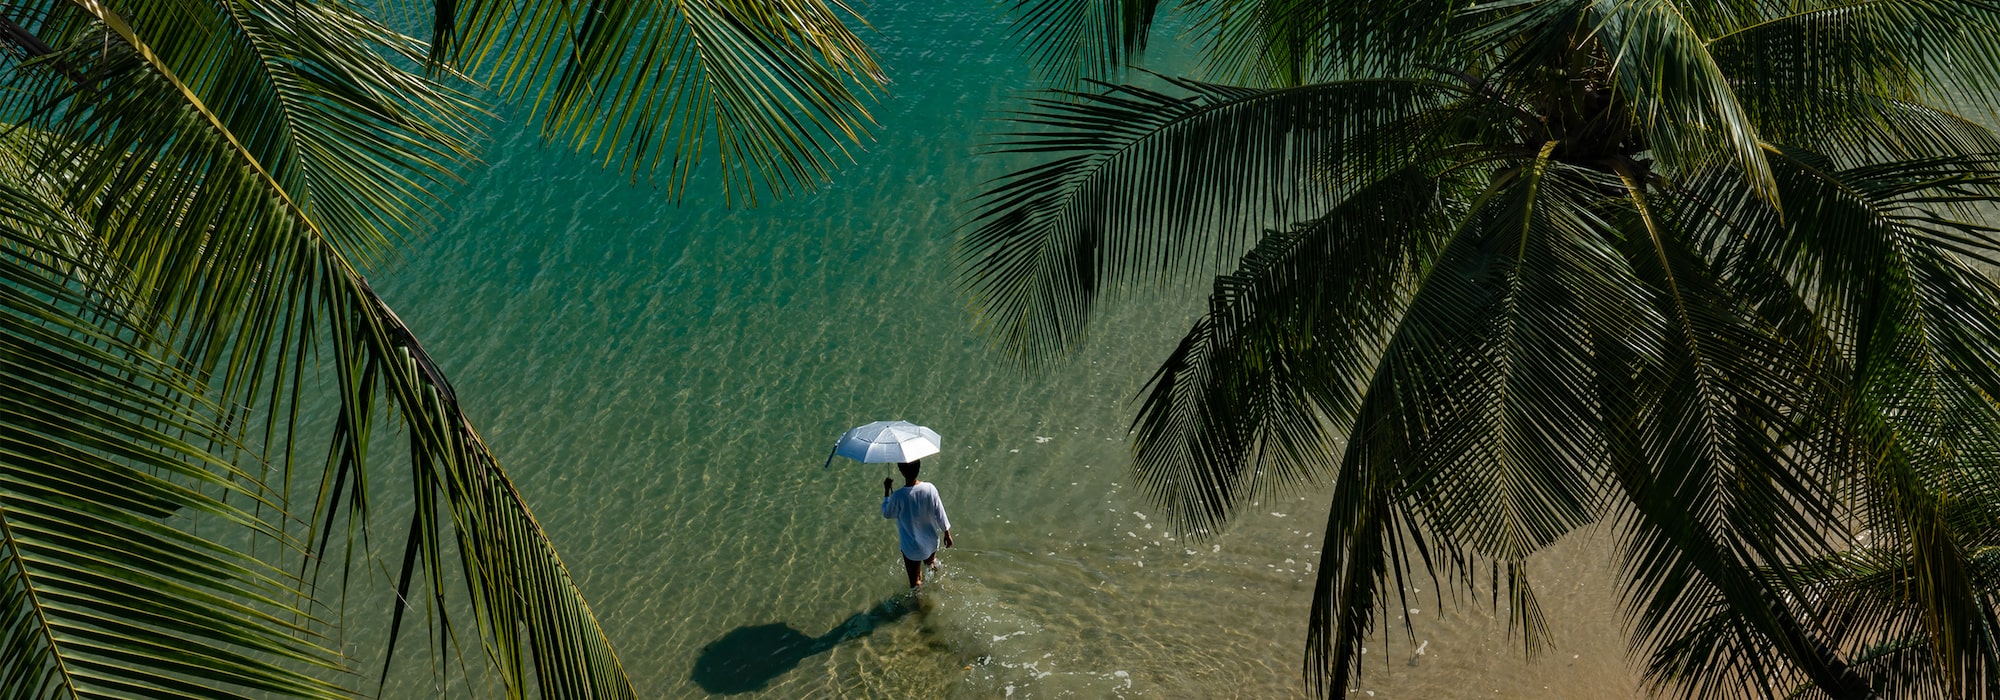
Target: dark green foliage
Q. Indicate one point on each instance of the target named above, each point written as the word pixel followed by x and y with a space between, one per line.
pixel 1714 273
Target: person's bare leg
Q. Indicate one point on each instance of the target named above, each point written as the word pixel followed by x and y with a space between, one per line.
pixel 915 570
pixel 932 563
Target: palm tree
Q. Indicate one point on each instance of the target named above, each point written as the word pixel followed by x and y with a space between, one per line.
pixel 1715 274
pixel 191 193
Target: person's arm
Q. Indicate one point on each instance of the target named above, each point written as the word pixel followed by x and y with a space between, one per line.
pixel 886 490
pixel 944 521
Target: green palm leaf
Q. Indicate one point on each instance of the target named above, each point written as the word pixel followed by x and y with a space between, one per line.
pixel 1941 51
pixel 1074 40
pixel 1922 321
pixel 776 89
pixel 1448 449
pixel 101 593
pixel 1274 43
pixel 1681 98
pixel 233 186
pixel 1868 589
pixel 1241 386
pixel 1046 241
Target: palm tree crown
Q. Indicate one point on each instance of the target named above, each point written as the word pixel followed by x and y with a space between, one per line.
pixel 1715 273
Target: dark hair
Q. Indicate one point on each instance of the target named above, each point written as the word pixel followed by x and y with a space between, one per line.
pixel 910 468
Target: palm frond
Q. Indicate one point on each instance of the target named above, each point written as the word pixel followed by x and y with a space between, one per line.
pixel 1853 128
pixel 1681 97
pixel 1936 51
pixel 1045 242
pixel 1902 352
pixel 243 229
pixel 1250 399
pixel 1868 589
pixel 1075 40
pixel 1270 43
pixel 1708 453
pixel 1466 443
pixel 1282 43
pixel 102 594
pixel 776 89
pixel 1921 322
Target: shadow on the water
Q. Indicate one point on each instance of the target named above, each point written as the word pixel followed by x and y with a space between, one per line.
pixel 750 657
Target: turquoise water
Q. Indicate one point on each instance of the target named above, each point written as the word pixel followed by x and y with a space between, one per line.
pixel 664 380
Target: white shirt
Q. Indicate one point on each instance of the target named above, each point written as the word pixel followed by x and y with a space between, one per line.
pixel 920 518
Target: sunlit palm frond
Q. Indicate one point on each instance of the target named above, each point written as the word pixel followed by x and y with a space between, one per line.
pixel 311 92
pixel 156 161
pixel 104 592
pixel 776 90
pixel 243 228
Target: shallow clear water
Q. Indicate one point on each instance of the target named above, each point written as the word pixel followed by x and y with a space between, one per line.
pixel 664 380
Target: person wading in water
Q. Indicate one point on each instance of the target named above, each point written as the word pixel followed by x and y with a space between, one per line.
pixel 920 520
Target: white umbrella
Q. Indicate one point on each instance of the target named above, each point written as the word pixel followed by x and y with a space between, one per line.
pixel 886 441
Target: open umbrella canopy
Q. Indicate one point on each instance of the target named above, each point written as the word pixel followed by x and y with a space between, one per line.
pixel 887 441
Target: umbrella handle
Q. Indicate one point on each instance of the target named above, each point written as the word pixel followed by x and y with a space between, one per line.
pixel 829 456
